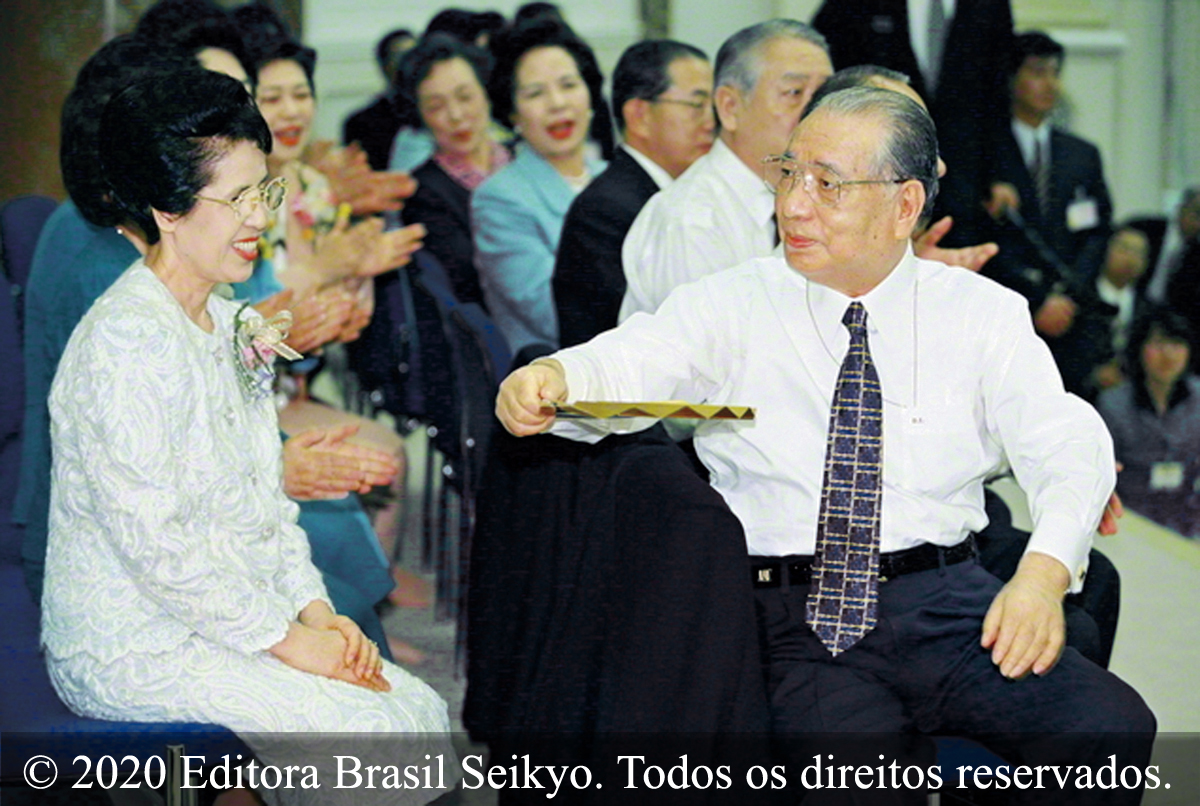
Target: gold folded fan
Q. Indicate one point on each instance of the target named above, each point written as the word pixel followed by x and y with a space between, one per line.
pixel 660 410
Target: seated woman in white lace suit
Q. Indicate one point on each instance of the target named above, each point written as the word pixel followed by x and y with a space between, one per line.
pixel 202 603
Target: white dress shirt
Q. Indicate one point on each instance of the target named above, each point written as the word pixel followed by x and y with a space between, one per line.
pixel 716 215
pixel 653 169
pixel 1168 261
pixel 918 29
pixel 1028 138
pixel 1124 300
pixel 968 387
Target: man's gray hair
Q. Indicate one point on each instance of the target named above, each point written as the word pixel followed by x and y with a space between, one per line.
pixel 911 150
pixel 738 61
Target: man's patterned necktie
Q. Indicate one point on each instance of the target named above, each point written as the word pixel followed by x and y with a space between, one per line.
pixel 843 600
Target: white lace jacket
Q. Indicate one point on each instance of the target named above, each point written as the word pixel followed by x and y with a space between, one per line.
pixel 167 514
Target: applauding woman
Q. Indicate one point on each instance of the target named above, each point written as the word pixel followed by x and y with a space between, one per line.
pixel 539 89
pixel 202 602
pixel 445 79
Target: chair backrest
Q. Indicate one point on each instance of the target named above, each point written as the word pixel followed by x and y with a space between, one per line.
pixel 476 353
pixel 21 222
pixel 12 412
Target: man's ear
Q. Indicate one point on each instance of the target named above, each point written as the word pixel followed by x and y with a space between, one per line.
pixel 166 222
pixel 727 101
pixel 911 203
pixel 635 112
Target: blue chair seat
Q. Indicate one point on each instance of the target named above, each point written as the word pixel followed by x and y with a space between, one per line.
pixel 34 721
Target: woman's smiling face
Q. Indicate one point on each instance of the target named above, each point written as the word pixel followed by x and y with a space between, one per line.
pixel 553 105
pixel 286 101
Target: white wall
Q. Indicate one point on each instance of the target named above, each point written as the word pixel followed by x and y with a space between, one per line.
pixel 1119 56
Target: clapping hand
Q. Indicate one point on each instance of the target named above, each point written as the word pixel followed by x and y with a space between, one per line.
pixel 321 464
pixel 353 181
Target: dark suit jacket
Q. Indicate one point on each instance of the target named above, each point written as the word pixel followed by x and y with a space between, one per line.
pixel 1183 291
pixel 444 207
pixel 374 128
pixel 972 92
pixel 589 282
pixel 1075 172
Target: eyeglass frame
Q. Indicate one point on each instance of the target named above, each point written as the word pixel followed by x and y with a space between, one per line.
pixel 810 180
pixel 262 191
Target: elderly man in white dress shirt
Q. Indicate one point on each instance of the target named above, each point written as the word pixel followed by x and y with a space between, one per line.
pixel 925 641
pixel 718 214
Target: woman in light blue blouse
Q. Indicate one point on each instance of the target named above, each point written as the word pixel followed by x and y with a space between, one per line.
pixel 539 89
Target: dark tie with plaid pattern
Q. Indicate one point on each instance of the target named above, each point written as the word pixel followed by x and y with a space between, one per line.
pixel 843 600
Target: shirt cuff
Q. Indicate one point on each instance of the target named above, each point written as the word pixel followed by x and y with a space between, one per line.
pixel 1060 538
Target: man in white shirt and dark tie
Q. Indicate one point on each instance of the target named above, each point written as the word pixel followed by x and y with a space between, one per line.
pixel 919 381
pixel 1054 182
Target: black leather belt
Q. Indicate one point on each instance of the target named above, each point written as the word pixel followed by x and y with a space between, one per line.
pixel 766 573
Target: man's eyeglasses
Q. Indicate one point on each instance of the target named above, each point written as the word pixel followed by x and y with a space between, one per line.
pixel 246 203
pixel 699 108
pixel 781 175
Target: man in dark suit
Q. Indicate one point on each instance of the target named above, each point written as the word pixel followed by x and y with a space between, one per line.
pixel 374 126
pixel 1049 200
pixel 662 91
pixel 955 51
pixel 1169 241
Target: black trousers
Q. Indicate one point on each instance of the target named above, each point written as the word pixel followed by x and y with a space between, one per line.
pixel 922 672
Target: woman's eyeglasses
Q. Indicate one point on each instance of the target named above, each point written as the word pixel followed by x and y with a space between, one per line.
pixel 246 203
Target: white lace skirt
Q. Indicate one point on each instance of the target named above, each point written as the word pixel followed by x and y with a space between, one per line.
pixel 286 716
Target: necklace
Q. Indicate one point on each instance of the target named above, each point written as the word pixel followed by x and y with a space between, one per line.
pixel 579 181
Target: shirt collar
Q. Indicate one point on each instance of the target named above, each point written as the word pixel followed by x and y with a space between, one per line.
pixel 1027 137
pixel 656 171
pixel 1110 293
pixel 891 308
pixel 747 185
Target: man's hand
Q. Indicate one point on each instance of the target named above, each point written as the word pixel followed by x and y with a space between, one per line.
pixel 1025 627
pixel 1115 509
pixel 1004 196
pixel 1055 316
pixel 522 405
pixel 969 257
pixel 320 464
